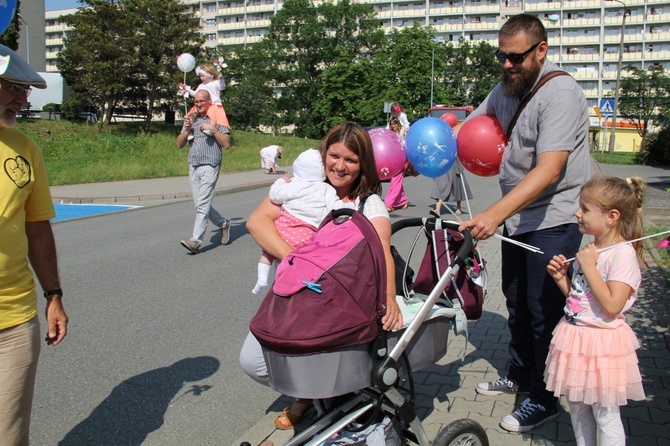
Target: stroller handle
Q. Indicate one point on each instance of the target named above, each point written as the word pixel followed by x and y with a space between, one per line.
pixel 432 223
pixel 385 372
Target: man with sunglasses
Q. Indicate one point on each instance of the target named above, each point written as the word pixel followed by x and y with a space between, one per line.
pixel 544 166
pixel 25 235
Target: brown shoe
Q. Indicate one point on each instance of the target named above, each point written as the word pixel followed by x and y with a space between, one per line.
pixel 291 416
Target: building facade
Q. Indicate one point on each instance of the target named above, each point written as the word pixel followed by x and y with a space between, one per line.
pixel 584 35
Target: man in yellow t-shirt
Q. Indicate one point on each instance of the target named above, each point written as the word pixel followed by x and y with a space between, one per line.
pixel 25 235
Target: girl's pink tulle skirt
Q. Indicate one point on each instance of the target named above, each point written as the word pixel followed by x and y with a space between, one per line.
pixel 594 365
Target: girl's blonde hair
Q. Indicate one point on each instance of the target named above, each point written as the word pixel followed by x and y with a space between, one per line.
pixel 211 69
pixel 626 196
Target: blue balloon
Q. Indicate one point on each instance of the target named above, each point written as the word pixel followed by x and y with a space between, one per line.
pixel 431 147
pixel 7 11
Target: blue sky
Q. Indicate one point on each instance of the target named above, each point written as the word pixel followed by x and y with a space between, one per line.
pixel 50 5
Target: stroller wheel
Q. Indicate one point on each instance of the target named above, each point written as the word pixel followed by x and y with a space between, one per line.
pixel 463 432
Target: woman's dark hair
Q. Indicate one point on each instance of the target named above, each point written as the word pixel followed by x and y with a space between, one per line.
pixel 356 139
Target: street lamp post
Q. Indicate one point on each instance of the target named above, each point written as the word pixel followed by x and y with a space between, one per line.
pixel 432 75
pixel 618 77
pixel 27 38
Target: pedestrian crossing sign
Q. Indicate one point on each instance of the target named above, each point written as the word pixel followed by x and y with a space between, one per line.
pixel 607 107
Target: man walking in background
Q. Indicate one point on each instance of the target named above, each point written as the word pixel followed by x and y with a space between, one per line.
pixel 205 158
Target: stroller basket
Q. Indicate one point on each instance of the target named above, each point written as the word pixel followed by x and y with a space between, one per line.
pixel 334 373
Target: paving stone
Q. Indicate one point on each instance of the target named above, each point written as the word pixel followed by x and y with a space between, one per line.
pixel 660 416
pixel 639 428
pixel 481 408
pixel 646 441
pixel 639 413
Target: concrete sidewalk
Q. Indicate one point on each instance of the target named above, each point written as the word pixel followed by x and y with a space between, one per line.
pixel 159 190
pixel 445 391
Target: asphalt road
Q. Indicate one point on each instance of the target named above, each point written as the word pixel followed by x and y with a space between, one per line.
pixel 151 354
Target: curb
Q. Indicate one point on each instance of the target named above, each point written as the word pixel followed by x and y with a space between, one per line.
pixel 159 197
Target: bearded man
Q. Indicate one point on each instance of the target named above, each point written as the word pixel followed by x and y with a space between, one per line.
pixel 543 168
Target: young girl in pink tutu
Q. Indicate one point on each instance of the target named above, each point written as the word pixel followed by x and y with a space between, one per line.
pixel 592 359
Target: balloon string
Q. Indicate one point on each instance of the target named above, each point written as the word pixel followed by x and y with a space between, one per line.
pixel 530 248
pixel 185 102
pixel 622 243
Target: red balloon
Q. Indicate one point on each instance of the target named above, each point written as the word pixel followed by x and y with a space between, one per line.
pixel 481 143
pixel 389 152
pixel 450 119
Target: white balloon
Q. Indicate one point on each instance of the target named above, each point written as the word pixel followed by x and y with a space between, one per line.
pixel 186 62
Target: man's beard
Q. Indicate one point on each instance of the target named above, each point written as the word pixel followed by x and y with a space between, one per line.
pixel 6 122
pixel 522 81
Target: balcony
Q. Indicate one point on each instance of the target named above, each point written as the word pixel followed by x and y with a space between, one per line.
pixel 584 74
pixel 473 26
pixel 591 92
pixel 658 36
pixel 579 57
pixel 580 40
pixel 231 11
pixel 417 13
pixel 482 9
pixel 580 22
pixel 230 26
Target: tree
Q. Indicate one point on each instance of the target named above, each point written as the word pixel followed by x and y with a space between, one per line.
pixel 470 72
pixel 485 72
pixel 163 29
pixel 645 97
pixel 404 64
pixel 124 52
pixel 10 37
pixel 250 96
pixel 303 41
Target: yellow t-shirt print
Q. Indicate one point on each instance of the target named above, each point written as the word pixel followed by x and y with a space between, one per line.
pixel 18 170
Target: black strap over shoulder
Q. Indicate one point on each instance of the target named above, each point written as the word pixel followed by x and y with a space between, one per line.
pixel 543 80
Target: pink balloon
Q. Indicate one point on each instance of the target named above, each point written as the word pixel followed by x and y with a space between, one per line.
pixel 450 119
pixel 389 152
pixel 481 143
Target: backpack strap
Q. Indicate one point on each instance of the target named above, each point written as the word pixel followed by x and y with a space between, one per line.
pixel 543 80
pixel 361 205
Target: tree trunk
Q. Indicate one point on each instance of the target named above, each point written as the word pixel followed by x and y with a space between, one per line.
pixel 150 112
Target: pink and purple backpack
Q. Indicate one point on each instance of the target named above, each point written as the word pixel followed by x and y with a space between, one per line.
pixel 328 293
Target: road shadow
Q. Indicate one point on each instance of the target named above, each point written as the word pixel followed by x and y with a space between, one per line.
pixel 136 407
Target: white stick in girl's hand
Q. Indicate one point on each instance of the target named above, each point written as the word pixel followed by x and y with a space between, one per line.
pixel 623 243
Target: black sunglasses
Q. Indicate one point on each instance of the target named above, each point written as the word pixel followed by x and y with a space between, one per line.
pixel 515 58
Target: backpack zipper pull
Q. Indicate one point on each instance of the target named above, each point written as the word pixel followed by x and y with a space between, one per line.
pixel 316 287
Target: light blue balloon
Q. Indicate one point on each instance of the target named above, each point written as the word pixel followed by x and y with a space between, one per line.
pixel 7 11
pixel 431 147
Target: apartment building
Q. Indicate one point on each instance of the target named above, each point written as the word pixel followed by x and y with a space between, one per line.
pixel 584 35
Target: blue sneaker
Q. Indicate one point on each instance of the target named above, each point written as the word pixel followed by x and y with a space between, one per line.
pixel 529 416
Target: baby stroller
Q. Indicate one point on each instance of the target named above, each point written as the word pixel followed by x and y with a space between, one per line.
pixel 359 387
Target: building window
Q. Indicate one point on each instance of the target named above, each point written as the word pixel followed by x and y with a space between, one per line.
pixel 211 37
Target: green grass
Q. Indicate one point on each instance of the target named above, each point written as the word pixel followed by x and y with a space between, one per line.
pixel 625 158
pixel 77 153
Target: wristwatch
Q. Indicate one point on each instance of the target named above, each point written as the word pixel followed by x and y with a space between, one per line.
pixel 54 292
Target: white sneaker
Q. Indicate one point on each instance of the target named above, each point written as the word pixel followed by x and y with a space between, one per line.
pixel 259 289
